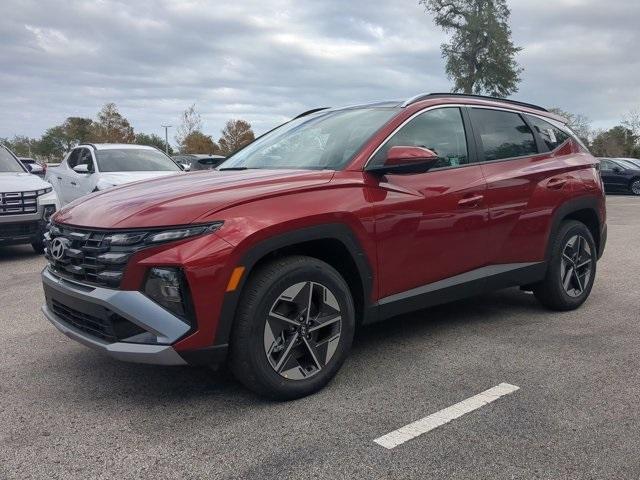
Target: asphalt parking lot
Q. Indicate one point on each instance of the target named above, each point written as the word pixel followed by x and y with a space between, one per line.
pixel 69 412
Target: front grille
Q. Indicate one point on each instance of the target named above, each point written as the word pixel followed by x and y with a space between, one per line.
pixel 18 203
pixel 111 328
pixel 18 230
pixel 88 256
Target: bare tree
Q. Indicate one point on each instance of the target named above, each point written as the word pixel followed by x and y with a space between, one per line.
pixel 190 122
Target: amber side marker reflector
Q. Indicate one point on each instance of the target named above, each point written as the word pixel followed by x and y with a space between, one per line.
pixel 236 275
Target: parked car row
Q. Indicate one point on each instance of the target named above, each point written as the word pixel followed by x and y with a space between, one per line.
pixel 193 162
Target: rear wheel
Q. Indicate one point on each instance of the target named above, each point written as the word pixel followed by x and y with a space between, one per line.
pixel 634 187
pixel 293 329
pixel 572 268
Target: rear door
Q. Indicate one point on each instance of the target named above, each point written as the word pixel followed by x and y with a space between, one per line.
pixel 526 181
pixel 430 226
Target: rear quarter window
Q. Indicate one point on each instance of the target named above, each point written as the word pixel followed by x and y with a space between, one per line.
pixel 502 134
pixel 552 136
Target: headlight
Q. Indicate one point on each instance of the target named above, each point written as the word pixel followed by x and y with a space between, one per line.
pixel 159 236
pixel 44 191
pixel 47 211
pixel 167 286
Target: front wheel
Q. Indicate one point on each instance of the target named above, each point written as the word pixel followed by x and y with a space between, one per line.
pixel 572 268
pixel 634 187
pixel 293 329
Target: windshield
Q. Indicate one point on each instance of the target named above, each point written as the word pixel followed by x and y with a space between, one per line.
pixel 627 164
pixel 8 163
pixel 325 140
pixel 134 160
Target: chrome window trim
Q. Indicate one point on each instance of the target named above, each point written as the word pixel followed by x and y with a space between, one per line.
pixel 463 105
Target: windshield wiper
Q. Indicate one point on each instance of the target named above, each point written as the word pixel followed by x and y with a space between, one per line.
pixel 233 168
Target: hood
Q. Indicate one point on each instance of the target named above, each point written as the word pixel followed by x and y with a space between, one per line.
pixel 120 178
pixel 183 199
pixel 21 182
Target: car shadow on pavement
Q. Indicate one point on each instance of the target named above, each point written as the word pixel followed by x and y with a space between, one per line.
pixel 17 252
pixel 84 371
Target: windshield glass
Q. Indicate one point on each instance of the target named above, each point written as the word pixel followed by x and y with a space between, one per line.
pixel 325 140
pixel 8 163
pixel 627 164
pixel 134 160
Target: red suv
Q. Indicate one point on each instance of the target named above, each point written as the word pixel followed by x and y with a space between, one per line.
pixel 336 219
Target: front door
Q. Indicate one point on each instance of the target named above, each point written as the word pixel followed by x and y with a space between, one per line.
pixel 430 226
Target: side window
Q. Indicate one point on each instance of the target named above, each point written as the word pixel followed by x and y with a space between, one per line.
pixel 74 156
pixel 440 130
pixel 552 136
pixel 502 134
pixel 85 159
pixel 606 165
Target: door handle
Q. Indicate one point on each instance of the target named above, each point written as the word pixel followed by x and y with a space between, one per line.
pixel 556 183
pixel 473 201
pixel 74 183
pixel 59 178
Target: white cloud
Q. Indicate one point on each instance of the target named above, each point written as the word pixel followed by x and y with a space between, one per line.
pixel 266 60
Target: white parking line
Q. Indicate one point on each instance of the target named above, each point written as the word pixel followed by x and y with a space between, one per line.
pixel 433 421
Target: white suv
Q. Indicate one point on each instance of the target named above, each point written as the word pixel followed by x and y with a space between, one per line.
pixel 97 166
pixel 26 203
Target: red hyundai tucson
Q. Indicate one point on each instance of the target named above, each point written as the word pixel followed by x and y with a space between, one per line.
pixel 339 218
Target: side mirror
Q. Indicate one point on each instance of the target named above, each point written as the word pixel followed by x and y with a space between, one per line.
pixel 407 160
pixel 29 167
pixel 82 168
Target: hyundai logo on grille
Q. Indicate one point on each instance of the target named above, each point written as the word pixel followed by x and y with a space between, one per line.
pixel 58 247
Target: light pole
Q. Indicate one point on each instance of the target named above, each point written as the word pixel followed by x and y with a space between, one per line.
pixel 166 137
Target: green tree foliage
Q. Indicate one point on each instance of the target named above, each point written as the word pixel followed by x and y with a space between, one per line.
pixel 111 127
pixel 480 56
pixel 152 140
pixel 20 145
pixel 235 135
pixel 76 130
pixel 198 142
pixel 616 142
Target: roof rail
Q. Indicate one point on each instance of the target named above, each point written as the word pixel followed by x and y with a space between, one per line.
pixel 426 96
pixel 85 144
pixel 309 112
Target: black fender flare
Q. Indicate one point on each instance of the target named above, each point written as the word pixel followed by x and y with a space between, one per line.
pixel 572 206
pixel 331 231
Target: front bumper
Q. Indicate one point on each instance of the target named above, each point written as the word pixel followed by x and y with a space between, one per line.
pixel 19 229
pixel 80 311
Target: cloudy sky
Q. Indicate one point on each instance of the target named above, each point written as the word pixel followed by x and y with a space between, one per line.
pixel 266 60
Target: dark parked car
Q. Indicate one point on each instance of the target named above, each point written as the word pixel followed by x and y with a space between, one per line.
pixel 620 175
pixel 193 162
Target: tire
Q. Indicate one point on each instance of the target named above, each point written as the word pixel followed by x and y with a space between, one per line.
pixel 569 277
pixel 38 247
pixel 316 344
pixel 634 186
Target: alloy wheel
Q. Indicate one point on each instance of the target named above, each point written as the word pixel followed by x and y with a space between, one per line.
pixel 302 330
pixel 576 266
pixel 635 187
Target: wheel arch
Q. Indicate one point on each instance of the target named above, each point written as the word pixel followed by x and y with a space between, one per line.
pixel 335 244
pixel 584 210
